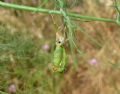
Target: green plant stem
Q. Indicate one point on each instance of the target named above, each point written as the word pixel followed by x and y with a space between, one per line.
pixel 1 92
pixel 48 11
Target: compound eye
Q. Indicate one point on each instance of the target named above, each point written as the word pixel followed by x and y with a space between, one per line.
pixel 59 42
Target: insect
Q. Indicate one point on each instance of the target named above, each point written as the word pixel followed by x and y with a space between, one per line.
pixel 60 57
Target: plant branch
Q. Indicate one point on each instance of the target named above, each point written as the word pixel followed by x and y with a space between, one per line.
pixel 48 11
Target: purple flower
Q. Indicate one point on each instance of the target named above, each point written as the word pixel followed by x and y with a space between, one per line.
pixel 46 47
pixel 12 88
pixel 34 1
pixel 93 62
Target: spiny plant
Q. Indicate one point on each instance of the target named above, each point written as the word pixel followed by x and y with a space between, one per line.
pixel 59 61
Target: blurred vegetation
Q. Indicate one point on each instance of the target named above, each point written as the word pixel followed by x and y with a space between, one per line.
pixel 27 42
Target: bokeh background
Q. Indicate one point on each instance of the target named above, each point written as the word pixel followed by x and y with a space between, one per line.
pixel 27 42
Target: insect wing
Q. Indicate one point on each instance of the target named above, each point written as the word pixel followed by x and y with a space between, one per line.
pixel 58 55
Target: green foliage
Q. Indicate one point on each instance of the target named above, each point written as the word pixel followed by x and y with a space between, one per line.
pixel 21 59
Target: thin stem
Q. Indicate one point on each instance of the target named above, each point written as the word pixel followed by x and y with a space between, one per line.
pixel 48 11
pixel 1 92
